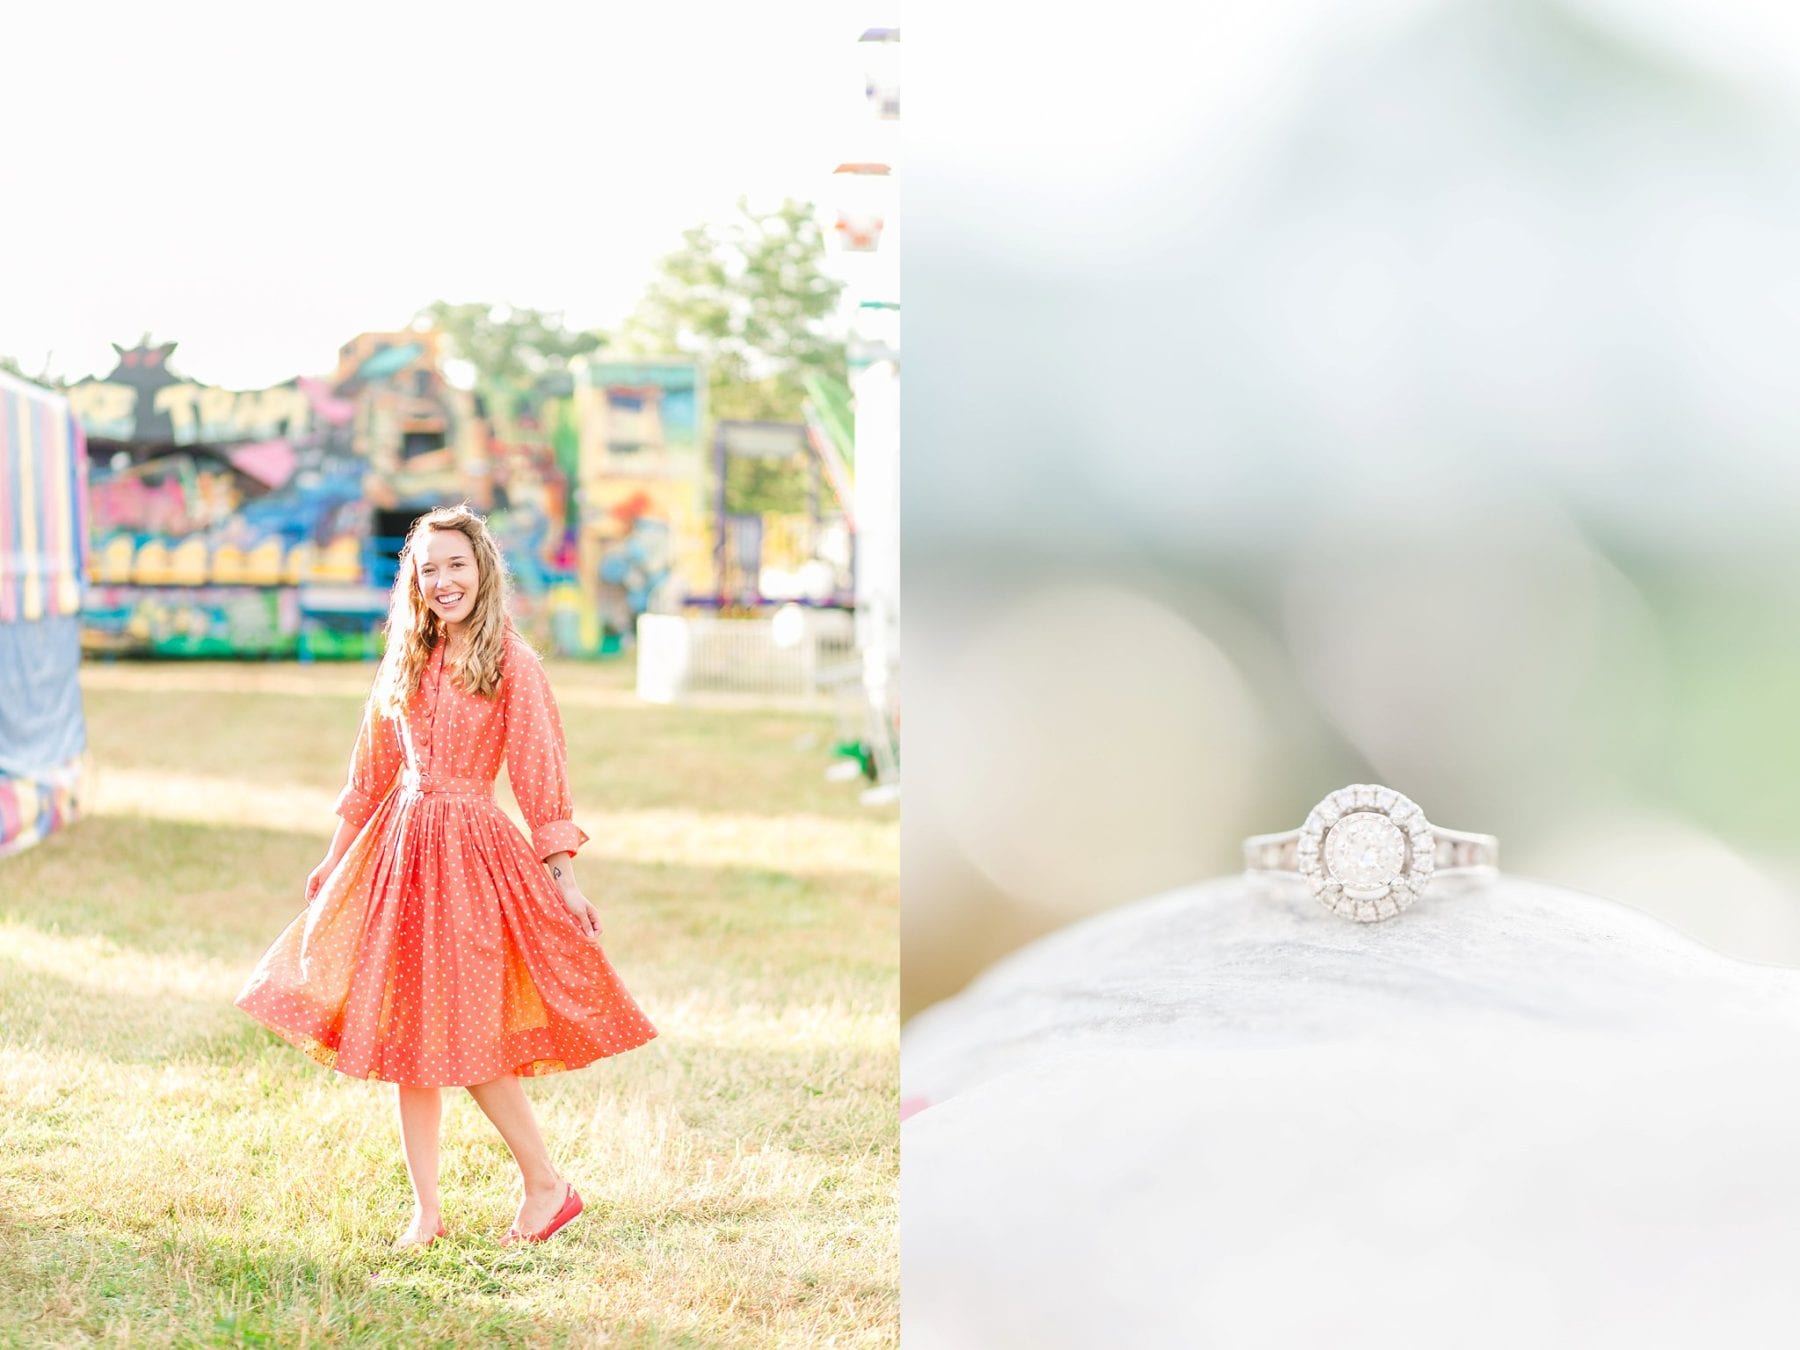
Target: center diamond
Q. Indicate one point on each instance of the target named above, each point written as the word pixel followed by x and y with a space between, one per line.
pixel 1365 849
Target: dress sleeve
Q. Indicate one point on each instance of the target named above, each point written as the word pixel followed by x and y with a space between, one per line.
pixel 374 765
pixel 537 762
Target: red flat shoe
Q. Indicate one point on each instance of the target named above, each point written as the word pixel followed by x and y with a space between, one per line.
pixel 408 1246
pixel 571 1206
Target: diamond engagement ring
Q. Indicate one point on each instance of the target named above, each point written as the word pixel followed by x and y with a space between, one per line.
pixel 1368 852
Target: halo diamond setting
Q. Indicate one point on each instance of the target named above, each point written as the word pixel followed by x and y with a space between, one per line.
pixel 1366 851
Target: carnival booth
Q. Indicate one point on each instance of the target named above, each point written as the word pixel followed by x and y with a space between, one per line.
pixel 231 523
pixel 43 557
pixel 267 522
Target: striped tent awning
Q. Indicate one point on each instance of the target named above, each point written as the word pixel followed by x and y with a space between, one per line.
pixel 43 504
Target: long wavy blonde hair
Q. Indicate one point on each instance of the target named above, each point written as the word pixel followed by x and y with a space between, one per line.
pixel 413 627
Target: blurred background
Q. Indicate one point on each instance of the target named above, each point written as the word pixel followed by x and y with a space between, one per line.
pixel 1385 391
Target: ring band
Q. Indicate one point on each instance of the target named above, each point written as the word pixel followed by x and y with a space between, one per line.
pixel 1368 852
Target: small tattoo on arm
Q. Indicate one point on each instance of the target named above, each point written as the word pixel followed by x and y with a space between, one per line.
pixel 556 872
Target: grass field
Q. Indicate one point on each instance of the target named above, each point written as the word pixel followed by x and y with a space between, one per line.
pixel 172 1173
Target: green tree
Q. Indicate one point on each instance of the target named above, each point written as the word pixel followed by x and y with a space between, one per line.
pixel 750 297
pixel 510 347
pixel 12 366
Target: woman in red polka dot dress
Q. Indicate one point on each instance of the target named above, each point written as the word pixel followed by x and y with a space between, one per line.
pixel 440 947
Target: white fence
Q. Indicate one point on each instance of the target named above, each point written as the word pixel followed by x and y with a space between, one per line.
pixel 783 656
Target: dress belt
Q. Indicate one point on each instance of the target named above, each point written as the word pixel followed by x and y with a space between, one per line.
pixel 441 785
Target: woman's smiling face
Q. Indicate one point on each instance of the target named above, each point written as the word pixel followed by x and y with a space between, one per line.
pixel 448 574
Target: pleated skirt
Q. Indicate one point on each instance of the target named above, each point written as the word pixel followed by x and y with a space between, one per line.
pixel 439 953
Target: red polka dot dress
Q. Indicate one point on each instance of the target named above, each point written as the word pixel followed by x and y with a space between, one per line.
pixel 439 952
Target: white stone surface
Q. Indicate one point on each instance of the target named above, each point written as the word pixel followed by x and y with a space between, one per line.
pixel 1516 1115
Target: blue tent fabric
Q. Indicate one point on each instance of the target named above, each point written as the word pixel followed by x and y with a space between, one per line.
pixel 41 724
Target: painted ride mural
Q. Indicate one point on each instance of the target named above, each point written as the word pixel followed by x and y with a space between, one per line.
pixel 266 522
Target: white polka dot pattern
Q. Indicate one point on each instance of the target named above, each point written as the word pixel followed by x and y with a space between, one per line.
pixel 439 952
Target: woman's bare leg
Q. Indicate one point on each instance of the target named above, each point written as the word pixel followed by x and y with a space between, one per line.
pixel 421 1109
pixel 504 1102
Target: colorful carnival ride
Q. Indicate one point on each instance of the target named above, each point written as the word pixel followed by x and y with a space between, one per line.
pixel 267 522
pixel 43 553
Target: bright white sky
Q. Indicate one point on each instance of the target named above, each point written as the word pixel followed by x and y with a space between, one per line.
pixel 260 183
